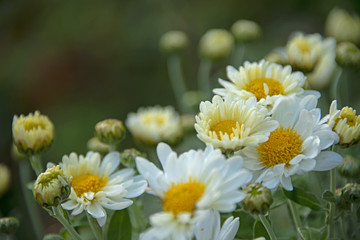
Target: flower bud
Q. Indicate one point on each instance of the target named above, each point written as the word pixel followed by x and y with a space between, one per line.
pixel 95 145
pixel 173 42
pixel 258 199
pixel 110 131
pixel 128 157
pixel 245 30
pixel 216 44
pixel 32 134
pixel 9 225
pixel 4 179
pixel 52 187
pixel 351 193
pixel 348 55
pixel 350 167
pixel 340 202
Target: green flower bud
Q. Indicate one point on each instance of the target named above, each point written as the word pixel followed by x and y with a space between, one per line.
pixel 348 55
pixel 4 179
pixel 351 193
pixel 110 131
pixel 350 167
pixel 128 157
pixel 95 145
pixel 32 134
pixel 258 199
pixel 173 42
pixel 340 202
pixel 245 30
pixel 52 187
pixel 216 44
pixel 9 225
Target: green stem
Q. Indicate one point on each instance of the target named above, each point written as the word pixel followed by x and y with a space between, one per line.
pixel 342 227
pixel 60 217
pixel 268 227
pixel 177 79
pixel 332 205
pixel 204 77
pixel 36 164
pixel 31 205
pixel 95 227
pixel 295 215
pixel 335 88
pixel 137 217
pixel 238 54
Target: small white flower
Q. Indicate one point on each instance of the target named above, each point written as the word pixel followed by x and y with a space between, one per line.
pixel 232 125
pixel 189 186
pixel 155 124
pixel 265 81
pixel 295 147
pixel 96 185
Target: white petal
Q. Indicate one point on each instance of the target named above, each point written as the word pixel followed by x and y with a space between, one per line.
pixel 163 151
pixel 327 160
pixel 96 210
pixel 110 162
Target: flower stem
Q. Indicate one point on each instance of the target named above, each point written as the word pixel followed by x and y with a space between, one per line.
pixel 295 215
pixel 335 88
pixel 29 200
pixel 136 216
pixel 177 79
pixel 204 77
pixel 238 54
pixel 36 164
pixel 95 227
pixel 60 217
pixel 332 205
pixel 268 227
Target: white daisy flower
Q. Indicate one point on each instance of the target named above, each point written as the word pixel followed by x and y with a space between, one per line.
pixel 189 186
pixel 155 124
pixel 96 185
pixel 295 147
pixel 232 125
pixel 346 123
pixel 266 81
pixel 209 228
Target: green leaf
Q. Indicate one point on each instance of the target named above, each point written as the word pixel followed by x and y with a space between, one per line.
pixel 329 196
pixel 120 227
pixel 278 199
pixel 304 198
pixel 246 226
pixel 304 233
pixel 259 230
pixel 358 213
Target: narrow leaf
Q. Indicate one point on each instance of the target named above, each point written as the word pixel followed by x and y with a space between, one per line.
pixel 304 198
pixel 120 226
pixel 259 230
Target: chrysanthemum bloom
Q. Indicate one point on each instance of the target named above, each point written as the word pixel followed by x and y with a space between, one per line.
pixel 96 185
pixel 232 125
pixel 295 147
pixel 345 123
pixel 4 179
pixel 209 228
pixel 155 124
pixel 265 81
pixel 314 56
pixel 33 133
pixel 343 26
pixel 190 185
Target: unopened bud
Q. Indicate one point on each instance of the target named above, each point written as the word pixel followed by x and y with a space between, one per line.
pixel 340 202
pixel 9 225
pixel 4 179
pixel 258 198
pixel 245 30
pixel 350 167
pixel 173 42
pixel 128 157
pixel 32 134
pixel 52 187
pixel 348 55
pixel 216 44
pixel 351 192
pixel 110 131
pixel 95 145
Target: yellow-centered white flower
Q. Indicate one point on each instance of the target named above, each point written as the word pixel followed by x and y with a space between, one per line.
pixel 265 81
pixel 189 186
pixel 232 125
pixel 155 124
pixel 97 185
pixel 295 147
pixel 345 123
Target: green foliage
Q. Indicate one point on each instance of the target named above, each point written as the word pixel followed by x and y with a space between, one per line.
pixel 120 226
pixel 304 198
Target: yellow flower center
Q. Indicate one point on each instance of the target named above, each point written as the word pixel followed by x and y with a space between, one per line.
pixel 157 119
pixel 182 197
pixel 88 183
pixel 282 146
pixel 226 126
pixel 265 87
pixel 303 45
pixel 30 125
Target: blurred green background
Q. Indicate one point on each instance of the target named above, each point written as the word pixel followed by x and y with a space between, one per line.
pixel 82 61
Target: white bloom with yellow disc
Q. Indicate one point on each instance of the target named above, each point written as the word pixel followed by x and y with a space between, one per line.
pixel 232 125
pixel 295 147
pixel 156 124
pixel 265 81
pixel 190 185
pixel 96 185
